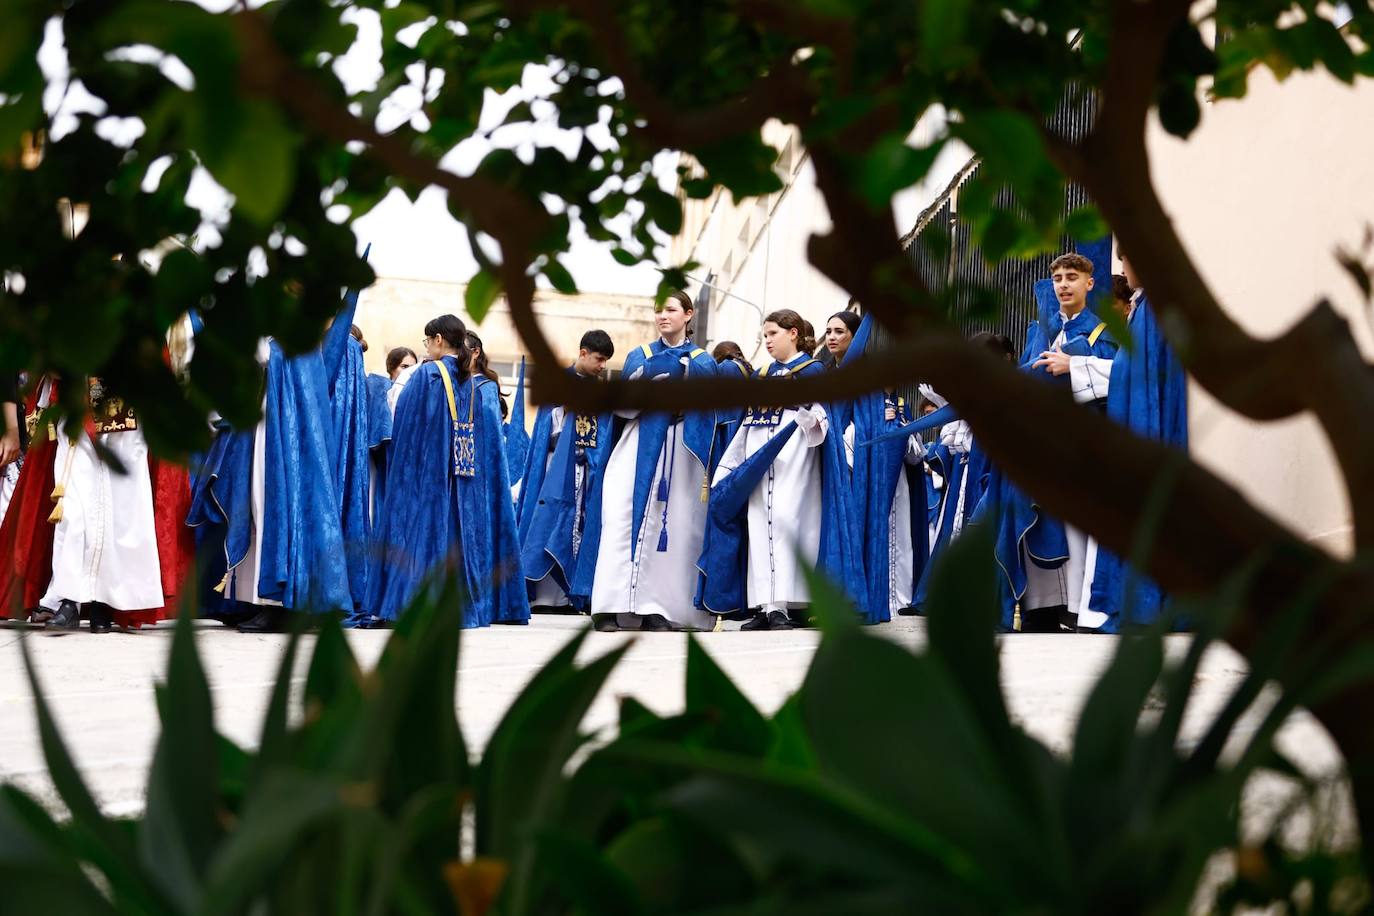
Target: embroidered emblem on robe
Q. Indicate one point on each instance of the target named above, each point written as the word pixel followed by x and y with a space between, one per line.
pixel 586 431
pixel 763 416
pixel 464 450
pixel 109 414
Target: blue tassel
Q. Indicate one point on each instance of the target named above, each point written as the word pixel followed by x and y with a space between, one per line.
pixel 663 489
pixel 663 539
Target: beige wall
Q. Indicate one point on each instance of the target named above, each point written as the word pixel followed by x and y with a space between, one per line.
pixel 393 313
pixel 1262 195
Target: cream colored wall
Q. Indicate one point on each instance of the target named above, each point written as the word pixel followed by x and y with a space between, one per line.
pixel 1262 195
pixel 393 313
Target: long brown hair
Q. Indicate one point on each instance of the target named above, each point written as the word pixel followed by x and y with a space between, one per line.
pixel 481 367
pixel 789 320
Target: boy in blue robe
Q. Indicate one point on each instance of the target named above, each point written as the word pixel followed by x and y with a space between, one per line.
pixel 566 455
pixel 448 508
pixel 1042 559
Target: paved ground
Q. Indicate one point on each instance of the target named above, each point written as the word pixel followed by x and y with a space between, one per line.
pixel 102 688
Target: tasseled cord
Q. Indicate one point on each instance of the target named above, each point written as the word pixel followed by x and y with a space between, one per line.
pixel 59 490
pixel 663 487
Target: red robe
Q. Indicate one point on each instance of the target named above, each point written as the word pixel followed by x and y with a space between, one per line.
pixel 26 536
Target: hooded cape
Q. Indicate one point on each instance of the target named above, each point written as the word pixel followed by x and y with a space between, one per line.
pixel 1148 394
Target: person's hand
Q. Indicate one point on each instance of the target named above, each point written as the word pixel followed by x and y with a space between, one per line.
pixel 9 447
pixel 890 413
pixel 661 376
pixel 1055 362
pixel 931 395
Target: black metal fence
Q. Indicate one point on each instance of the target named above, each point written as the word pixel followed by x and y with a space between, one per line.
pixel 998 298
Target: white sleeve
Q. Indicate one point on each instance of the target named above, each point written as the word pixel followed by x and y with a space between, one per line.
pixel 1089 377
pixel 849 445
pixel 556 417
pixel 393 394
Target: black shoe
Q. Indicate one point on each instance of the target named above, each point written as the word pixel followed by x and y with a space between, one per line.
pixel 67 618
pixel 268 620
pixel 604 623
pixel 1041 619
pixel 912 611
pixel 778 620
pixel 39 616
pixel 101 617
pixel 1068 620
pixel 655 623
pixel 760 621
pixel 800 618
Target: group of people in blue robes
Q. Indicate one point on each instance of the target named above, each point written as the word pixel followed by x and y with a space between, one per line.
pixel 1053 576
pixel 356 492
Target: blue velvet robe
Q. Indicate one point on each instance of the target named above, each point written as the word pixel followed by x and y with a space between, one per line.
pixel 553 539
pixel 378 436
pixel 349 404
pixel 304 564
pixel 1148 394
pixel 433 520
pixel 517 438
pixel 698 430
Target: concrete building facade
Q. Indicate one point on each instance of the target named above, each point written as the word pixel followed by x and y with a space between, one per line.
pixel 394 310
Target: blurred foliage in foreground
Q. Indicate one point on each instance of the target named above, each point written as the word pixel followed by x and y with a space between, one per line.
pixel 891 782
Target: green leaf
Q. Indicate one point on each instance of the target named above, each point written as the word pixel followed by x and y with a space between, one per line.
pixel 520 781
pixel 662 208
pixel 891 165
pixel 180 827
pixel 401 16
pixel 283 807
pixel 41 869
pixel 743 165
pixel 560 278
pixel 1179 111
pixel 927 758
pixel 662 860
pixel 272 744
pixel 481 292
pixel 624 257
pixel 586 878
pixel 1107 727
pixel 334 675
pixel 256 162
pixel 944 24
pixel 1085 223
pixel 738 726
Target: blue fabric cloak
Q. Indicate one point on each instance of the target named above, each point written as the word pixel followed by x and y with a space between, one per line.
pixel 433 519
pixel 553 540
pixel 724 556
pixel 1148 394
pixel 517 438
pixel 877 470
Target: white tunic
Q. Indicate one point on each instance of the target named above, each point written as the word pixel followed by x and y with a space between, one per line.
pixel 784 512
pixel 105 547
pixel 654 581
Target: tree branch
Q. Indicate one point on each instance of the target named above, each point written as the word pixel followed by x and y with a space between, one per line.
pixel 780 92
